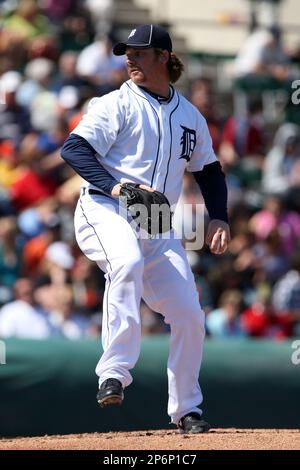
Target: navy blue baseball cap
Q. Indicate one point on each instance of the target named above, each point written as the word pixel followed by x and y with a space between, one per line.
pixel 144 37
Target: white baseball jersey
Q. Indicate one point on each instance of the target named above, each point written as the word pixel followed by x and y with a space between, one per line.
pixel 141 140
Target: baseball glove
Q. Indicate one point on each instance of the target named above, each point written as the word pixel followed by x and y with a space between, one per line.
pixel 150 210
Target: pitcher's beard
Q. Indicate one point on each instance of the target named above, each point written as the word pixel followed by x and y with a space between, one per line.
pixel 137 77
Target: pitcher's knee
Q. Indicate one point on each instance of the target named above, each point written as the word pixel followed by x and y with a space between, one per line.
pixel 188 318
pixel 196 320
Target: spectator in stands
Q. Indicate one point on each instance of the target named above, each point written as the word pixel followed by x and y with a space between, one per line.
pixel 225 321
pixel 57 10
pixel 262 54
pixel 58 262
pixel 31 185
pixel 67 74
pixel 38 75
pixel 256 318
pixel 27 21
pixel 99 66
pixel 24 317
pixel 286 294
pixel 102 12
pixel 243 136
pixel 29 32
pixel 42 232
pixel 64 318
pixel 8 174
pixel 276 217
pixel 87 285
pixel 202 96
pixel 260 320
pixel 279 169
pixel 14 118
pixel 11 253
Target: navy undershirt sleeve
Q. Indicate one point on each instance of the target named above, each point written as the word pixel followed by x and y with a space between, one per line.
pixel 81 156
pixel 211 180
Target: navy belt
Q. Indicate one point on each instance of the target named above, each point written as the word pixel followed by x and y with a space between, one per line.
pixel 95 191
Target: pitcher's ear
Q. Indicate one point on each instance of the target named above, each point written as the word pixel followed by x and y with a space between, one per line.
pixel 164 56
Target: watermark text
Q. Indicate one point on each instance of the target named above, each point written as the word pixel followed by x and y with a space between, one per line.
pixel 2 353
pixel 296 94
pixel 295 358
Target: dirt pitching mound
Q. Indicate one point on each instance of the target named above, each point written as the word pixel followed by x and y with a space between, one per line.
pixel 216 439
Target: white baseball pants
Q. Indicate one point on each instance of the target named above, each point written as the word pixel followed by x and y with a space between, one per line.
pixel 156 270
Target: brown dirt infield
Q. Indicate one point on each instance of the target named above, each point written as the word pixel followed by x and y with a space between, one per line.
pixel 216 439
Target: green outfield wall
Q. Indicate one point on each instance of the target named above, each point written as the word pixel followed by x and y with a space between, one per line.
pixel 49 387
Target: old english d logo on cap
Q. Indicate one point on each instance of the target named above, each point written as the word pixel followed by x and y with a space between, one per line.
pixel 144 37
pixel 132 33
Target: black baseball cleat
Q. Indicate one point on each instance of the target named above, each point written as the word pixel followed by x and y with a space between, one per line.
pixel 110 393
pixel 192 424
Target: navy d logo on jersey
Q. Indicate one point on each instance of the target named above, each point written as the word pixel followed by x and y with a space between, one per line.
pixel 188 142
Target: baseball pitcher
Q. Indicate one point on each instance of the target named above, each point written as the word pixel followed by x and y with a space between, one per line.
pixel 132 148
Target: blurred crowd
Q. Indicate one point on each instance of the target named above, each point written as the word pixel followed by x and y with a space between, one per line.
pixel 54 56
